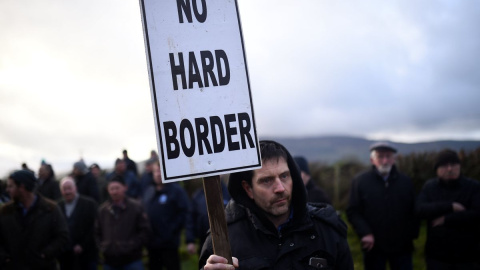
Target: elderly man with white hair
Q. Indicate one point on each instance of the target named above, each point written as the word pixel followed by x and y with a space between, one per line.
pixel 80 212
pixel 381 210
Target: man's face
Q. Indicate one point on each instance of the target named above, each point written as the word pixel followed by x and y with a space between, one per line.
pixel 95 171
pixel 13 190
pixel 121 167
pixel 272 188
pixel 68 190
pixel 76 172
pixel 43 172
pixel 116 191
pixel 450 171
pixel 383 161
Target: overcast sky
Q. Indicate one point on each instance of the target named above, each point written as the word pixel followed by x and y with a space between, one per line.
pixel 74 79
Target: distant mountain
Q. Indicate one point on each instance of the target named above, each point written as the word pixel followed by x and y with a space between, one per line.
pixel 331 149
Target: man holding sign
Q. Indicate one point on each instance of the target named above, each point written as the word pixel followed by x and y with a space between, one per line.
pixel 270 224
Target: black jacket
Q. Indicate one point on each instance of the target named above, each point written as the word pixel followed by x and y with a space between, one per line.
pixel 316 194
pixel 384 209
pixel 23 239
pixel 50 189
pixel 167 211
pixel 314 233
pixel 81 225
pixel 458 239
pixel 87 186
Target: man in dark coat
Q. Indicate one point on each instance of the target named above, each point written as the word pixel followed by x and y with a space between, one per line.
pixel 270 225
pixel 122 229
pixel 166 206
pixel 314 193
pixel 381 210
pixel 130 178
pixel 450 203
pixel 33 231
pixel 131 165
pixel 79 212
pixel 48 186
pixel 85 181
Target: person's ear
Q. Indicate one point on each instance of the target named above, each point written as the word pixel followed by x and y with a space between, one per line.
pixel 247 188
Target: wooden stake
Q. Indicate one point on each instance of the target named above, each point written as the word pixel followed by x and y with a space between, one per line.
pixel 216 217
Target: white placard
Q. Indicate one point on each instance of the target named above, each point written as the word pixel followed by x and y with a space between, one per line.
pixel 200 88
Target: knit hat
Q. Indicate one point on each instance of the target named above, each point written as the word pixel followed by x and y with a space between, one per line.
pixel 25 178
pixel 446 156
pixel 81 166
pixel 302 164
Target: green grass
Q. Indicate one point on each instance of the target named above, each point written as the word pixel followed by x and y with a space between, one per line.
pixel 418 253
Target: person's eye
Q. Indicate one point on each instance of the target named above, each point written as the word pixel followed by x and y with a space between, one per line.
pixel 266 180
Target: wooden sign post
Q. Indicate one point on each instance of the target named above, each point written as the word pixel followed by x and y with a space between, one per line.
pixel 216 217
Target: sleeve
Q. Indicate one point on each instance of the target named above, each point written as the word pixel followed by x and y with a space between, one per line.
pixel 3 252
pixel 425 208
pixel 89 225
pixel 355 210
pixel 207 250
pixel 344 257
pixel 190 234
pixel 471 216
pixel 60 237
pixel 183 206
pixel 144 230
pixel 97 229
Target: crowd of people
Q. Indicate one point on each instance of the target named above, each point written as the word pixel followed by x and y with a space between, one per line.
pixel 277 217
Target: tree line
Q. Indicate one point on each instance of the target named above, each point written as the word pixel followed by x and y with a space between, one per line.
pixel 336 178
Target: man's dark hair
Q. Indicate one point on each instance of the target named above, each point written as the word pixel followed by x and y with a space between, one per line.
pixel 268 151
pixel 25 178
pixel 94 165
pixel 117 178
pixel 51 172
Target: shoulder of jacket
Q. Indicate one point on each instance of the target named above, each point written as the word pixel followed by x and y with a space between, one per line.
pixel 133 203
pixel 431 183
pixel 47 204
pixel 365 174
pixel 325 214
pixel 87 200
pixel 235 212
pixel 8 208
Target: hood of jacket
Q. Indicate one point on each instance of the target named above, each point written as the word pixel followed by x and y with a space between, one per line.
pixel 299 197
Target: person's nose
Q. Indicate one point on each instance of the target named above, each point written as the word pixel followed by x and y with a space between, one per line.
pixel 278 187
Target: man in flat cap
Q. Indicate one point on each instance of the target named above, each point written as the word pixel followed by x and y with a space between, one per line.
pixel 32 229
pixel 381 210
pixel 450 203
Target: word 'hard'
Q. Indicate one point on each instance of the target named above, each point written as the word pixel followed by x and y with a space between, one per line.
pixel 208 61
pixel 199 130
